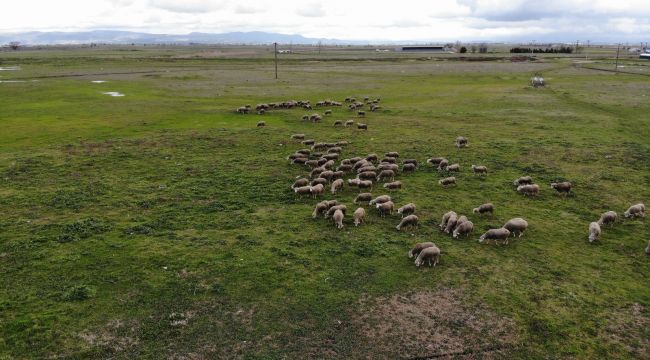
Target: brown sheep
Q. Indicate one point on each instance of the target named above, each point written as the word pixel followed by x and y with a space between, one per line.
pixel 479 169
pixel 386 174
pixel 367 175
pixel 372 157
pixel 410 161
pixel 562 187
pixel 485 208
pixel 415 251
pixel 393 185
pixel 346 168
pixel 300 182
pixel 327 174
pixel 388 159
pixel 447 181
pixel 338 175
pixel 363 197
pixel 386 207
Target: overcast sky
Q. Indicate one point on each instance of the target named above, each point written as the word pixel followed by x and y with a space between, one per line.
pixel 439 20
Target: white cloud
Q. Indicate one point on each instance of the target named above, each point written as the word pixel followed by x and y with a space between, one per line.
pixel 440 20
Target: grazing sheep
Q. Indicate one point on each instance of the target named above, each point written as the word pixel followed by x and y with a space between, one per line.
pixel 337 185
pixel 359 215
pixel 388 166
pixel 442 165
pixel 647 249
pixel 393 185
pixel 410 161
pixel 338 123
pixel 327 174
pixel 328 164
pixel 363 197
pixel 318 189
pixel 261 112
pixel 434 161
pixel 380 200
pixel 367 175
pixel 321 208
pixel 461 142
pixel 608 217
pixel 365 184
pixel 338 219
pixel 393 154
pixel 562 187
pixel 308 142
pixel 485 208
pixel 453 168
pixel 479 169
pixel 408 221
pixel 361 113
pixel 303 190
pixel 386 174
pixel 388 159
pixel 312 163
pixel 300 182
pixel 361 163
pixel 361 126
pixel 594 231
pixel 516 226
pixel 415 251
pixel 353 182
pixel 346 168
pixel 319 180
pixel 366 168
pixel 342 143
pixel 372 157
pixel 386 207
pixel 334 208
pixel 461 219
pixel 464 229
pixel 298 136
pixel 429 254
pixel 331 156
pixel 305 118
pixel 315 172
pixel 349 123
pixel 447 181
pixel 524 180
pixel 407 209
pixel 338 175
pixel 296 156
pixel 408 167
pixel 328 112
pixel 305 152
pixel 445 219
pixel 637 210
pixel 243 110
pixel 335 150
pixel 528 190
pixel 451 223
pixel 495 234
pixel 300 160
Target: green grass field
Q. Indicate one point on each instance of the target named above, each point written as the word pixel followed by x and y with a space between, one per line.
pixel 161 224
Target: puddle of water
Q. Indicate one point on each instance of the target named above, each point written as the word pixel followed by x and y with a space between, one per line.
pixel 98 81
pixel 10 68
pixel 113 93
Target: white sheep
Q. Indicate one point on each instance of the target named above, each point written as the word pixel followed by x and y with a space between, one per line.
pixel 524 180
pixel 608 217
pixel 594 231
pixel 461 142
pixel 338 218
pixel 447 181
pixel 637 210
pixel 445 219
pixel 363 197
pixel 300 182
pixel 393 185
pixel 359 215
pixel 318 189
pixel 407 209
pixel 485 208
pixel 479 169
pixel 386 207
pixel 337 185
pixel 528 190
pixel 451 223
pixel 380 199
pixel 303 190
pixel 429 254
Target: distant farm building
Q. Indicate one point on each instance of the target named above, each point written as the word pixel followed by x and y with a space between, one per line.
pixel 423 48
pixel 645 56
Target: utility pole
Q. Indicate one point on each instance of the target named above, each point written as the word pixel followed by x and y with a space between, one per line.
pixel 617 51
pixel 586 56
pixel 577 42
pixel 275 48
pixel 320 42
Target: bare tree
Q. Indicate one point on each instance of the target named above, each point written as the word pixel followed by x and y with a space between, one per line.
pixel 14 45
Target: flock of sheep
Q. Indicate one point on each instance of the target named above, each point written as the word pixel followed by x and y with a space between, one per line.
pixel 364 172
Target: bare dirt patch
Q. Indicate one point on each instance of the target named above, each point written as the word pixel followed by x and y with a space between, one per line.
pixel 629 327
pixel 434 324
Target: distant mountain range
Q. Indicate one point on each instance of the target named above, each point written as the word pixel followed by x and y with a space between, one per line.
pixel 128 37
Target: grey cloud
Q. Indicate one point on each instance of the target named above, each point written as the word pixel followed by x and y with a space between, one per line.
pixel 311 10
pixel 187 6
